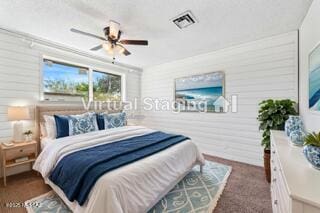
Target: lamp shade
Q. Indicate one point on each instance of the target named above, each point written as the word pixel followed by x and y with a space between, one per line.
pixel 16 113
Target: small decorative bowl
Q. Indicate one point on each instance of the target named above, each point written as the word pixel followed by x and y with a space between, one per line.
pixel 297 137
pixel 312 153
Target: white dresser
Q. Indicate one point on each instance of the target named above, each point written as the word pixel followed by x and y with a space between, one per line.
pixel 295 185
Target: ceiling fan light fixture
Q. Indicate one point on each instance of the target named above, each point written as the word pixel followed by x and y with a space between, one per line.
pixel 107 46
pixel 113 49
pixel 114 29
pixel 119 49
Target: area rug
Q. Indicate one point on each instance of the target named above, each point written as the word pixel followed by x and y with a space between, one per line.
pixel 195 193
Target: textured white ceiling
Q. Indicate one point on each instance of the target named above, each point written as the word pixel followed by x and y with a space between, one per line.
pixel 222 23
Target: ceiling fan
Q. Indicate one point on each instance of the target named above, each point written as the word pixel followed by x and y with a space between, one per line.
pixel 111 42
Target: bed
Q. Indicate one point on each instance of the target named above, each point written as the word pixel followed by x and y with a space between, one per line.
pixel 135 187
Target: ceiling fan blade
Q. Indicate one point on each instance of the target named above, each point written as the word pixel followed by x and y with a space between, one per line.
pixel 134 42
pixel 96 48
pixel 87 34
pixel 123 50
pixel 126 52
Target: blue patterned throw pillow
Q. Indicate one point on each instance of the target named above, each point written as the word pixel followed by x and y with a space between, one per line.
pixel 79 124
pixel 115 120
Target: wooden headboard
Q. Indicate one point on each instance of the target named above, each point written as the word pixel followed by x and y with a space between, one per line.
pixel 68 109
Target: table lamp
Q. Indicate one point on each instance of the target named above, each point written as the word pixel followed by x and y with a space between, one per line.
pixel 16 113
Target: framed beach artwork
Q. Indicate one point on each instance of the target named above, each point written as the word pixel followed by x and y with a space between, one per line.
pixel 314 79
pixel 194 93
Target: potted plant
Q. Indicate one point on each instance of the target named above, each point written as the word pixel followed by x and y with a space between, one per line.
pixel 272 116
pixel 311 149
pixel 28 135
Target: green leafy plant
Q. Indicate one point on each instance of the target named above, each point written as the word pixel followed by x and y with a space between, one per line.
pixel 272 116
pixel 29 132
pixel 312 139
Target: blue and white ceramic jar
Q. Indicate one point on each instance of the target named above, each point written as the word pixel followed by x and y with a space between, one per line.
pixel 292 124
pixel 312 154
pixel 297 137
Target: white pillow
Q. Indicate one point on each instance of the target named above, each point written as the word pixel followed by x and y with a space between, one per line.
pixel 43 130
pixel 50 126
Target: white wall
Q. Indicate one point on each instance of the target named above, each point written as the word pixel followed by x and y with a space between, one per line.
pixel 254 71
pixel 309 39
pixel 20 74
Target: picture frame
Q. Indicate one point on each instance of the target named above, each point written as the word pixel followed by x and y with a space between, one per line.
pixel 314 79
pixel 200 93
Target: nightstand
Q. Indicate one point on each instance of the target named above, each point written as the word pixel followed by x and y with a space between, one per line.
pixel 19 154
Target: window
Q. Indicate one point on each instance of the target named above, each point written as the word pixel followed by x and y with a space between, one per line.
pixel 106 86
pixel 67 82
pixel 64 81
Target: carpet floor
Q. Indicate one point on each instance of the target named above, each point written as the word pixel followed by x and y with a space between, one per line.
pixel 246 190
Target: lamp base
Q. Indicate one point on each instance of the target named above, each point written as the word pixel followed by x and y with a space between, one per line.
pixel 18 132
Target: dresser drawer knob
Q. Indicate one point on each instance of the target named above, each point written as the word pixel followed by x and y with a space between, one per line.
pixel 273 152
pixel 21 150
pixel 275 202
pixel 275 169
pixel 274 179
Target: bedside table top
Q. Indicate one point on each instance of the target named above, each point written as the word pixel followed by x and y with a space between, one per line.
pixel 19 144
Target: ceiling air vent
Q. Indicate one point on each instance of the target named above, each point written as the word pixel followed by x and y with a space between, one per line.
pixel 184 20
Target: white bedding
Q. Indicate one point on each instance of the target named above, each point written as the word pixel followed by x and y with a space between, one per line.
pixel 132 188
pixel 45 141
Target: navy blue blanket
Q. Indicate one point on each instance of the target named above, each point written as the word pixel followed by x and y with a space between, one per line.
pixel 77 172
